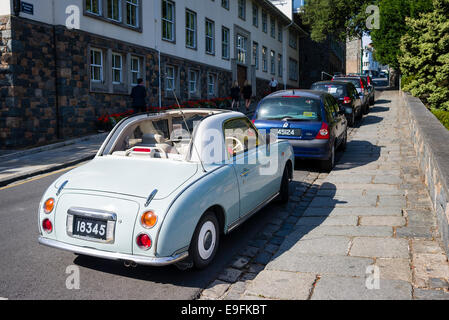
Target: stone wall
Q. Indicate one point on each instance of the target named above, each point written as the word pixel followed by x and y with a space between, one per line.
pixel 430 140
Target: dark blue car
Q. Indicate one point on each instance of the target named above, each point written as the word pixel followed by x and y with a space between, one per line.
pixel 310 120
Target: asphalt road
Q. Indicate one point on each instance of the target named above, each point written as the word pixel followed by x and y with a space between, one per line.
pixel 31 271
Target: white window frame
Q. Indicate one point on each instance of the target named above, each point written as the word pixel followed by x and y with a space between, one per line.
pixel 191 29
pixel 132 4
pixel 166 22
pixel 264 59
pixel 193 82
pixel 272 62
pixel 99 66
pixel 171 79
pixel 119 10
pixel 225 43
pixel 100 7
pixel 211 84
pixel 241 48
pixel 115 68
pixel 137 71
pixel 211 37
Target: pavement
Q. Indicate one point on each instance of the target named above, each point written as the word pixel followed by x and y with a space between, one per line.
pixel 365 231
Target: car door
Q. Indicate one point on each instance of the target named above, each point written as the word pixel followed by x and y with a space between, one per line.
pixel 340 120
pixel 356 100
pixel 242 155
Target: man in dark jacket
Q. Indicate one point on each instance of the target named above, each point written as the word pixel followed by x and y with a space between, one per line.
pixel 138 95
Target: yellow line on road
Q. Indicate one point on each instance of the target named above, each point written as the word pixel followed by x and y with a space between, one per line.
pixel 37 178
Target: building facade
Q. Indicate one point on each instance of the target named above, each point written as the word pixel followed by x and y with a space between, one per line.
pixel 65 63
pixel 354 56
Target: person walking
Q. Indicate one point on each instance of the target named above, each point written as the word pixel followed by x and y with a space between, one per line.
pixel 138 95
pixel 273 85
pixel 235 95
pixel 247 94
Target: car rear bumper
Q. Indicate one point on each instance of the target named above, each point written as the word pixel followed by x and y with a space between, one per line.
pixel 147 261
pixel 311 149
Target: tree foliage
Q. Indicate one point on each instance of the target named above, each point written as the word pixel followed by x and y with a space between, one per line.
pixel 424 56
pixel 393 14
pixel 340 18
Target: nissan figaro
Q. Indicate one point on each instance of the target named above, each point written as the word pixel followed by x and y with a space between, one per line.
pixel 164 187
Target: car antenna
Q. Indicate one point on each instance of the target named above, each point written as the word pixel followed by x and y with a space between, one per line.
pixel 187 127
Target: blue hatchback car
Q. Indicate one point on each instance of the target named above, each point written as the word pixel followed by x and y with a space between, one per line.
pixel 310 120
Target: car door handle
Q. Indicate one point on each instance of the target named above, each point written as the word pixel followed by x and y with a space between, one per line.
pixel 245 172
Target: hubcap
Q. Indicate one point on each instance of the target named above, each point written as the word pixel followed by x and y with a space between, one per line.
pixel 206 240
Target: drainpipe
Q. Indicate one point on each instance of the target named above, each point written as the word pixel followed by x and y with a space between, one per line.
pixel 159 55
pixel 284 63
pixel 55 54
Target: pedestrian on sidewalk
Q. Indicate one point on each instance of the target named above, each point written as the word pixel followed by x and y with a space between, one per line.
pixel 235 95
pixel 247 94
pixel 273 85
pixel 138 96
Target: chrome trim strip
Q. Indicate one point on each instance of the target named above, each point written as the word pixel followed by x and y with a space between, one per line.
pixel 151 197
pixel 251 213
pixel 61 187
pixel 92 213
pixel 147 261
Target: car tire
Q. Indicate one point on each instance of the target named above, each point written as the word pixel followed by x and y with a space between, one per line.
pixel 344 143
pixel 328 165
pixel 366 109
pixel 205 241
pixel 352 122
pixel 284 192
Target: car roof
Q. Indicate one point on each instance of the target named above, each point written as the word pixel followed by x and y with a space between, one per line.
pixel 298 92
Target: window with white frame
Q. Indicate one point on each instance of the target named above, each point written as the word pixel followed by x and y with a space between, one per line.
pixel 135 70
pixel 241 49
pixel 256 55
pixel 96 65
pixel 225 50
pixel 225 4
pixel 190 29
pixel 193 81
pixel 293 41
pixel 114 10
pixel 132 13
pixel 272 62
pixel 168 20
pixel 255 15
pixel 117 68
pixel 272 27
pixel 280 66
pixel 210 36
pixel 242 9
pixel 264 59
pixel 280 32
pixel 211 84
pixel 170 78
pixel 94 6
pixel 293 69
pixel 264 22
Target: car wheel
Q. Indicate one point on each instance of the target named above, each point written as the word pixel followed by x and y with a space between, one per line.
pixel 352 122
pixel 205 241
pixel 366 109
pixel 284 192
pixel 328 165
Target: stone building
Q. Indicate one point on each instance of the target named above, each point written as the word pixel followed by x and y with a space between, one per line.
pixel 64 63
pixel 354 56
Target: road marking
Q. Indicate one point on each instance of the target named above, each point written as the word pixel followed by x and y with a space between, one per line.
pixel 38 177
pixel 3 298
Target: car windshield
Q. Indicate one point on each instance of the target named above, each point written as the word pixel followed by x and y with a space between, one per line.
pixel 354 81
pixel 337 90
pixel 290 108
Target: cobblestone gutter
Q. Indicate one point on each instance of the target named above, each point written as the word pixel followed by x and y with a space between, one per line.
pixel 431 142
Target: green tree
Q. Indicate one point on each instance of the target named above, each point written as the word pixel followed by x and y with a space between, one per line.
pixel 341 18
pixel 387 38
pixel 424 56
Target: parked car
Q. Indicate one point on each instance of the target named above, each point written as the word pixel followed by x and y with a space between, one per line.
pixel 362 88
pixel 371 89
pixel 346 95
pixel 310 120
pixel 156 194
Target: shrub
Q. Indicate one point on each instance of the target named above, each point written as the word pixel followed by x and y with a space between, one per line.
pixel 443 116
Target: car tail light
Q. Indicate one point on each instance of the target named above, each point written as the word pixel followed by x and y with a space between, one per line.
pixel 49 205
pixel 347 100
pixel 361 84
pixel 147 150
pixel 253 121
pixel 143 241
pixel 148 219
pixel 324 132
pixel 47 226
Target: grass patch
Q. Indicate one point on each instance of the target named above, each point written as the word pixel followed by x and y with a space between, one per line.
pixel 442 115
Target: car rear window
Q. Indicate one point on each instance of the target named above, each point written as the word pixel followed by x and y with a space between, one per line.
pixel 337 90
pixel 354 81
pixel 290 108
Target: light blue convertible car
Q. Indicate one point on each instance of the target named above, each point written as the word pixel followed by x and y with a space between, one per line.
pixel 164 187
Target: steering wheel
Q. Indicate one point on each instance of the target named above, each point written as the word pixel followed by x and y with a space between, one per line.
pixel 239 147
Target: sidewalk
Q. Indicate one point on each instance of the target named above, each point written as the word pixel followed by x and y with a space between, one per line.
pixel 365 231
pixel 27 163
